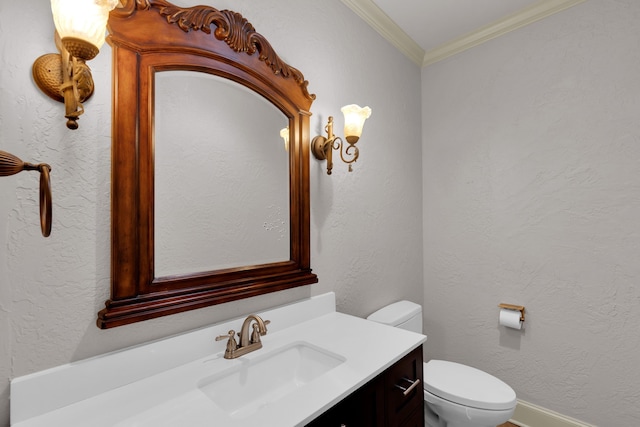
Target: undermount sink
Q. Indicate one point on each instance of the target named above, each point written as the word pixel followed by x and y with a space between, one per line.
pixel 244 390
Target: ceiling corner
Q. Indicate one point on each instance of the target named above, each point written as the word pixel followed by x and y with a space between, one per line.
pixel 379 21
pixel 529 15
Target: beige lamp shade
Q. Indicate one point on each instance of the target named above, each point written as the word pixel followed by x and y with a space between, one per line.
pixel 82 24
pixel 354 117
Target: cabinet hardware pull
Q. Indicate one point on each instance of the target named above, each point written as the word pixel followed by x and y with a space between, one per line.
pixel 405 390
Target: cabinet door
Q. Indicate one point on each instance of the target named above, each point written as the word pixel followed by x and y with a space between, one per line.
pixel 404 389
pixel 370 404
pixel 363 408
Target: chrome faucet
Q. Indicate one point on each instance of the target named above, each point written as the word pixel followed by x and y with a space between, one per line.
pixel 247 343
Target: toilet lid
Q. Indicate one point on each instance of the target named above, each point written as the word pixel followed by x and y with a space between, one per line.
pixel 467 386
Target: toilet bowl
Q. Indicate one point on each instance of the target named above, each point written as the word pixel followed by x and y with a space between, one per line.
pixel 455 395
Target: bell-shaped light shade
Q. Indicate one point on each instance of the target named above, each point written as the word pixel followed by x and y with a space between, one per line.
pixel 354 117
pixel 284 134
pixel 84 21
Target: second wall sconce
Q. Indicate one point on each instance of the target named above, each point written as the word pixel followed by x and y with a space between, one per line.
pixel 80 32
pixel 322 147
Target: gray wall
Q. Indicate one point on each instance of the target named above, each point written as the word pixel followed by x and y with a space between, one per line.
pixel 366 226
pixel 531 175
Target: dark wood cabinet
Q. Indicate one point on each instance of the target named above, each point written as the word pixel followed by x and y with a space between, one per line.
pixel 392 399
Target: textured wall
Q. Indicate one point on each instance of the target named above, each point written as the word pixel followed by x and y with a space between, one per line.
pixel 365 226
pixel 531 163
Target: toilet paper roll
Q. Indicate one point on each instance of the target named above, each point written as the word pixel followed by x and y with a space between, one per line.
pixel 510 318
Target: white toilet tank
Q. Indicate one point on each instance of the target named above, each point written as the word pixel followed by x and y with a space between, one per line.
pixel 402 314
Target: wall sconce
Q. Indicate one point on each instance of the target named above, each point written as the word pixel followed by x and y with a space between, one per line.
pixel 10 165
pixel 80 32
pixel 354 118
pixel 284 134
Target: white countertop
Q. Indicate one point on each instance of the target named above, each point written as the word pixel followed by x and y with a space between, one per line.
pixel 171 397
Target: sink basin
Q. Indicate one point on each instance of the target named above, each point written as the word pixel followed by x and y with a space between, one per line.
pixel 245 389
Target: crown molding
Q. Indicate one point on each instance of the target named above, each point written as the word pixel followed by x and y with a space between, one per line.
pixel 377 19
pixel 533 13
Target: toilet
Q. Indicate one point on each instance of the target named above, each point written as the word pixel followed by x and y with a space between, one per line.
pixel 455 395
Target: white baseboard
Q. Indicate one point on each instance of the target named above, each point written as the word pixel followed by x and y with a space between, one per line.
pixel 530 415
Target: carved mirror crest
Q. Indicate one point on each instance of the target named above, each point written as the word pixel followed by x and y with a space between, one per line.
pixel 154 39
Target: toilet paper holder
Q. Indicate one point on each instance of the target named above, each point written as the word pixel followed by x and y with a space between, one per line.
pixel 519 308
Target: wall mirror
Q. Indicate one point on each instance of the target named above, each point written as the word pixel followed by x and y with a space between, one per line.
pixel 217 172
pixel 207 205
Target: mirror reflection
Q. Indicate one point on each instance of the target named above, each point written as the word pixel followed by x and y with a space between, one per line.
pixel 221 176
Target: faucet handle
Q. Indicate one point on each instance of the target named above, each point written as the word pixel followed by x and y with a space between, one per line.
pixel 232 345
pixel 266 322
pixel 255 334
pixel 228 336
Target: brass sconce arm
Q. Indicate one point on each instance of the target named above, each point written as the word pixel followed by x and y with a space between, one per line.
pixel 64 78
pixel 11 165
pixel 80 32
pixel 322 147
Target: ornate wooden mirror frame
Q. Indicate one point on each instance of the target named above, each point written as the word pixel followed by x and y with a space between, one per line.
pixel 154 35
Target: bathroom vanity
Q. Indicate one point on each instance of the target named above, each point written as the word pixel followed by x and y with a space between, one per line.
pixel 393 398
pixel 316 366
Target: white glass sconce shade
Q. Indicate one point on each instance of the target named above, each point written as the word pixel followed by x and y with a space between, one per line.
pixel 284 134
pixel 354 118
pixel 82 20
